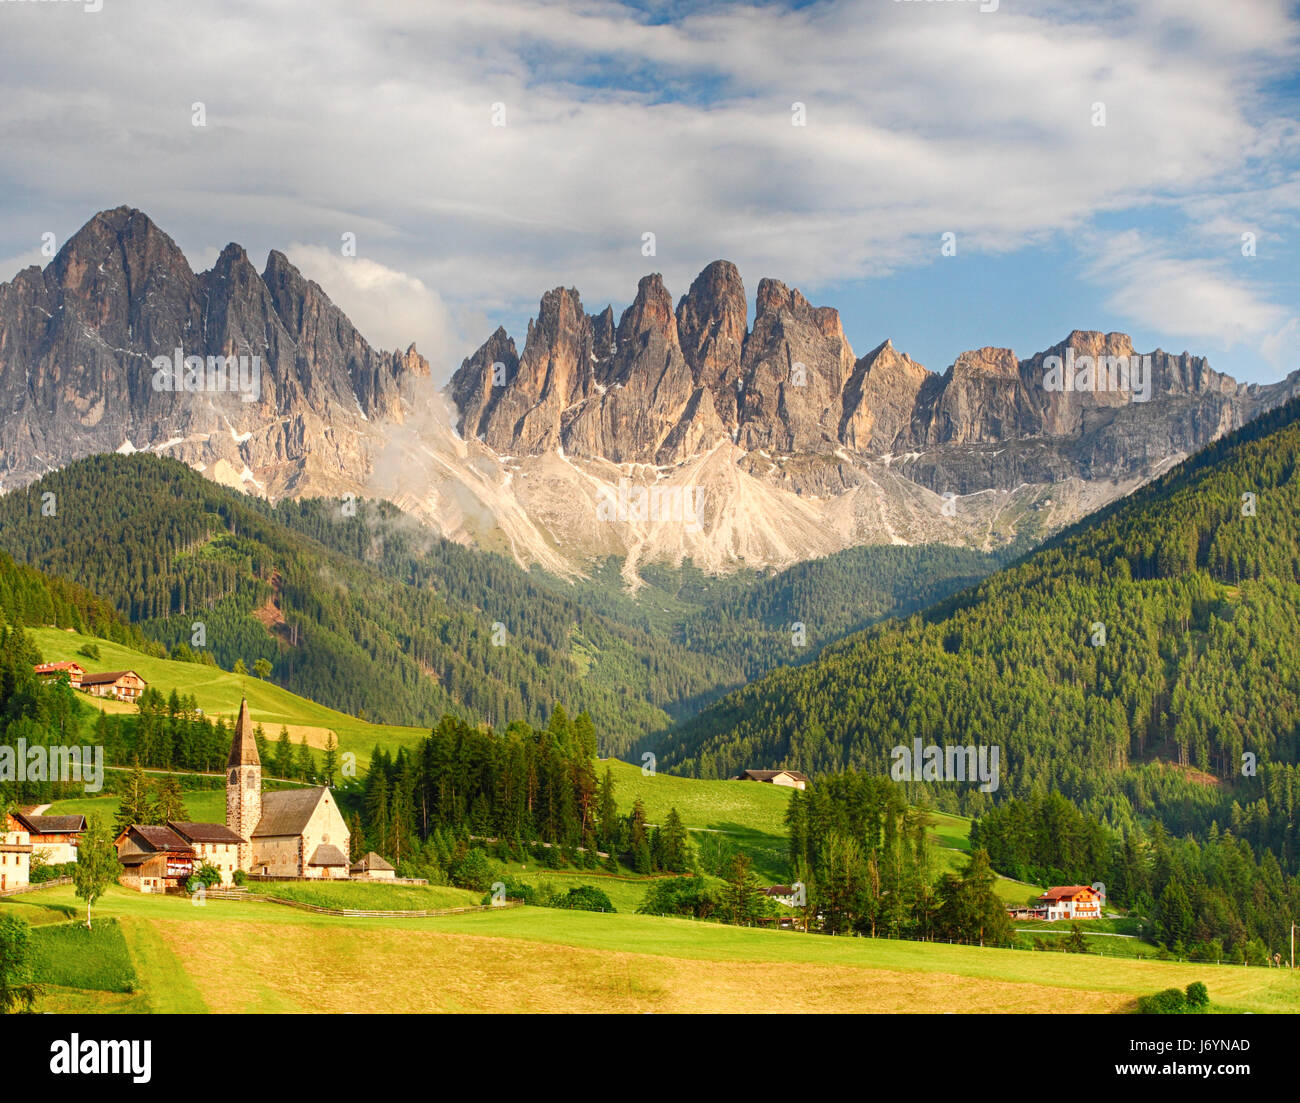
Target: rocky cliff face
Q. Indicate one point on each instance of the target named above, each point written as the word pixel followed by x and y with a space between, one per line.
pixel 297 405
pixel 667 433
pixel 674 384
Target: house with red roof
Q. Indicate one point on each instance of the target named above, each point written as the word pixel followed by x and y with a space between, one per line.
pixel 1071 902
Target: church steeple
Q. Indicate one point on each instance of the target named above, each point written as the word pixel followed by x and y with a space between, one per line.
pixel 244 785
pixel 243 750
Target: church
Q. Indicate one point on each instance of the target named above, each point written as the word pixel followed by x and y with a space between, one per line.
pixel 288 833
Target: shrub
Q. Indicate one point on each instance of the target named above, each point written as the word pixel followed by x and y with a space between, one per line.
pixel 474 871
pixel 585 898
pixel 517 890
pixel 1198 996
pixel 1169 1002
pixel 89 649
pixel 679 896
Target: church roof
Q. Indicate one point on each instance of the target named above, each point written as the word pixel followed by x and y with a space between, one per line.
pixel 371 861
pixel 327 855
pixel 243 748
pixel 288 811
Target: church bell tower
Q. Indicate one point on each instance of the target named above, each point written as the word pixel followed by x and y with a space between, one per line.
pixel 244 786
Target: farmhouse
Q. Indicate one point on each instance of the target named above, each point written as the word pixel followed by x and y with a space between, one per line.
pixel 55 838
pixel 1071 902
pixel 214 844
pixel 792 779
pixel 782 894
pixel 154 858
pixel 373 868
pixel 74 671
pixel 291 833
pixel 15 859
pixel 124 685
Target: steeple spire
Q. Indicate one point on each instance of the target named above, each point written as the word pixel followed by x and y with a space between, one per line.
pixel 243 748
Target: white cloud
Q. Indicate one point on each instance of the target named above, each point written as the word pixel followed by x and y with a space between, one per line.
pixel 390 308
pixel 922 118
pixel 1187 297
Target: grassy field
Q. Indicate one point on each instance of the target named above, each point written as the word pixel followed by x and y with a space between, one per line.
pixel 625 890
pixel 69 955
pixel 369 897
pixel 239 957
pixel 218 693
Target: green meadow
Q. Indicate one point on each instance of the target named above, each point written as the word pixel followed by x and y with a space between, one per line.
pixel 243 957
pixel 218 693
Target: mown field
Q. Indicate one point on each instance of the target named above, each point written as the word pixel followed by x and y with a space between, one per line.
pixel 239 957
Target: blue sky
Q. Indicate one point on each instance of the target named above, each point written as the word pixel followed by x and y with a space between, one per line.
pixel 676 119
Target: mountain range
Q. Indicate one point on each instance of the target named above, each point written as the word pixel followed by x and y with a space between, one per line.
pixel 772 439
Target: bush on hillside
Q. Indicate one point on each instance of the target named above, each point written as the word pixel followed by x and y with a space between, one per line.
pixel 1169 1002
pixel 585 898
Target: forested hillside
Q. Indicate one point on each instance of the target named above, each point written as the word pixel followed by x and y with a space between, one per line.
pixel 360 608
pixel 173 550
pixel 751 620
pixel 1165 628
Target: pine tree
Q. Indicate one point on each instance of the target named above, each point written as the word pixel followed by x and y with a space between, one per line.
pixel 135 804
pixel 675 844
pixel 284 755
pixel 168 804
pixel 330 763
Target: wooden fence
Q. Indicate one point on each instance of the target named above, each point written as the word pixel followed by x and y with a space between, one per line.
pixel 38 885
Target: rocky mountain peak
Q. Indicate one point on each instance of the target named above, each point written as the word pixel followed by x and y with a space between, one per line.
pixel 651 311
pixel 78 350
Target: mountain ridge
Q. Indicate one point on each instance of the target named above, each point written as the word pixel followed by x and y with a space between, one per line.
pixel 791 445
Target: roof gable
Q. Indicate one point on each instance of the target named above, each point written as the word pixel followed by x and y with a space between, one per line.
pixel 288 811
pixel 51 825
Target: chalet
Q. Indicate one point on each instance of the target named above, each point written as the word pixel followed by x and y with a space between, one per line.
pixel 123 685
pixel 15 859
pixel 373 868
pixel 1071 902
pixel 290 833
pixel 55 838
pixel 214 844
pixel 782 894
pixel 792 779
pixel 154 858
pixel 74 671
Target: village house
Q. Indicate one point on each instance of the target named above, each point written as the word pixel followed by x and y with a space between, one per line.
pixel 123 685
pixel 15 859
pixel 782 894
pixel 1071 902
pixel 373 868
pixel 290 833
pixel 54 838
pixel 214 844
pixel 154 858
pixel 74 671
pixel 792 779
